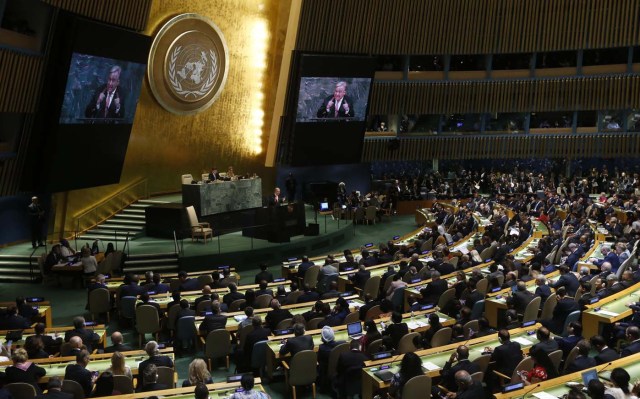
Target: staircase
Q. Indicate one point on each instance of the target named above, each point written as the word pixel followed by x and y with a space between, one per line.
pixel 15 268
pixel 129 220
pixel 163 262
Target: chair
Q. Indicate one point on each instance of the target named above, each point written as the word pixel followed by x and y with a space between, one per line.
pixel 398 299
pixel 478 376
pixel 217 345
pixel 203 306
pixel 235 305
pixel 172 315
pixel 358 215
pixel 352 317
pixel 487 253
pixel 454 261
pixel 406 343
pixel 241 335
pixel 573 316
pixel 187 179
pixel 286 323
pixel 556 358
pixel 333 360
pixel 427 245
pixel 446 297
pixel 262 301
pixel 99 302
pixel 293 296
pixel 186 334
pixel 482 286
pixel 416 387
pixel 531 311
pixel 147 322
pixel 166 376
pixel 373 313
pixel 525 364
pixel 311 276
pixel 370 214
pixel 374 347
pixel 387 283
pixel 73 388
pixel 302 371
pixel 21 390
pixel 483 362
pixel 570 358
pixel 477 310
pixel 122 384
pixel 259 356
pixel 547 308
pixel 128 307
pixel 469 327
pixel 198 230
pixel 313 323
pixel 441 337
pixel 371 287
pixel 205 279
pixel 204 177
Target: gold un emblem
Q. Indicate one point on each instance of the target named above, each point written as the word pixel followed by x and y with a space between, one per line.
pixel 188 64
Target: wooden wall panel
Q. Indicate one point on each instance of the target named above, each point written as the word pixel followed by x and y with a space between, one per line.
pixel 131 14
pixel 464 26
pixel 581 93
pixel 20 75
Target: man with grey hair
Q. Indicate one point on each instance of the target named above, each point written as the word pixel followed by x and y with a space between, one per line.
pixel 107 101
pixel 337 105
pixel 467 387
pixel 542 289
pixel 432 292
pixel 609 256
pixel 154 358
pixel 611 287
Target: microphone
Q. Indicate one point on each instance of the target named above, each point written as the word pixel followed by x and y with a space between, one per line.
pixel 529 391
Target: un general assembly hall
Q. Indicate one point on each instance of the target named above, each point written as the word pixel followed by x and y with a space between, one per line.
pixel 372 199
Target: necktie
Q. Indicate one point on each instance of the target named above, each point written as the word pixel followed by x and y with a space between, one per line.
pixel 106 109
pixel 336 108
pixel 276 199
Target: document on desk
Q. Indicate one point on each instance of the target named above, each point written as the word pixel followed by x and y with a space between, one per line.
pixel 430 366
pixel 413 325
pixel 240 318
pixel 356 305
pixel 522 341
pixel 607 313
pixel 544 395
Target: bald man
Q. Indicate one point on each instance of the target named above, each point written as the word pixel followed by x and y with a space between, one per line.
pixel 467 387
pixel 117 344
pixel 458 361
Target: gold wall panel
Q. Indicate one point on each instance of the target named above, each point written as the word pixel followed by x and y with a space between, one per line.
pixel 466 26
pixel 164 146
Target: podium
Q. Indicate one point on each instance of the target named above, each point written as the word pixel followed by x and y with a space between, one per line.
pixel 277 223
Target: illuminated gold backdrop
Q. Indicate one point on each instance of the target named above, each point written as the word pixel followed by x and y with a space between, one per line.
pixel 231 132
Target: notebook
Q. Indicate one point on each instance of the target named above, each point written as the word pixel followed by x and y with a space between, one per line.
pixel 324 206
pixel 354 330
pixel 588 376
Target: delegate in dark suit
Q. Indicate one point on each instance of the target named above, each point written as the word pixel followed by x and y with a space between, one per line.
pixel 344 108
pixel 117 348
pixel 569 281
pixel 474 391
pixel 107 101
pixel 448 373
pixel 212 322
pixel 396 331
pixel 562 310
pixel 506 357
pixel 55 394
pixel 580 363
pixel 521 299
pixel 81 375
pixel 89 338
pixel 606 355
pixel 433 291
pixel 297 344
pixel 631 349
pixel 360 278
pixel 158 360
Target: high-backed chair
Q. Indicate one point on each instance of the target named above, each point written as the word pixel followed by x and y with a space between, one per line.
pixel 259 356
pixel 235 305
pixel 373 313
pixel 352 317
pixel 446 297
pixel 573 316
pixel 531 311
pixel 73 388
pixel 372 286
pixel 147 322
pixel 333 360
pixel 217 345
pixel 242 335
pixel 203 306
pixel 166 376
pixel 477 310
pixel 99 302
pixel 556 358
pixel 470 326
pixel 548 307
pixel 187 179
pixel 21 390
pixel 186 332
pixel 525 364
pixel 302 371
pixel 416 387
pixel 483 362
pixel 122 384
pixel 313 323
pixel 262 301
pixel 198 229
pixel 311 276
pixel 370 214
pixel 406 343
pixel 128 307
pixel 570 358
pixel 441 337
pixel 172 316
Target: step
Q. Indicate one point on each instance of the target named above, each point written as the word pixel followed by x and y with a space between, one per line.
pixel 128 211
pixel 130 262
pixel 134 216
pixel 19 270
pixel 9 263
pixel 104 237
pixel 164 255
pixel 147 268
pixel 124 220
pixel 114 226
pixel 26 279
pixel 18 258
pixel 139 205
pixel 152 202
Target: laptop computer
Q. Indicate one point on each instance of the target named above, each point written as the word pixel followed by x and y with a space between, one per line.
pixel 354 330
pixel 385 375
pixel 588 376
pixel 324 206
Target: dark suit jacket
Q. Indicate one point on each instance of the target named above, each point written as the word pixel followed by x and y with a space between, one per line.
pixel 310 296
pixel 521 299
pixel 213 322
pixel 157 288
pixel 606 356
pixel 55 394
pixel 130 290
pixel 434 290
pixel 271 200
pixel 580 363
pixel 323 113
pixel 445 268
pixel 506 357
pixel 264 275
pixel 276 316
pixel 630 349
pixel 111 111
pixel 350 359
pixel 117 348
pixel 190 284
pixel 81 375
pixel 297 344
pixel 566 344
pixel 14 322
pixel 569 281
pixel 448 373
pixel 548 346
pixel 396 331
pixel 543 291
pixel 89 338
pixel 29 376
pixel 232 296
pixel 158 360
pixel 303 267
pixel 360 278
pixel 560 313
pixel 473 392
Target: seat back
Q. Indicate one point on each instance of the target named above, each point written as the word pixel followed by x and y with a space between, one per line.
pixel 525 364
pixel 122 384
pixel 203 306
pixel 416 387
pixel 454 261
pixel 128 307
pixel 398 299
pixel 333 359
pixel 147 320
pixel 186 331
pixel 73 388
pixel 478 376
pixel 235 305
pixel 547 308
pixel 311 276
pixel 573 316
pixel 303 370
pixel 205 279
pixel 187 178
pixel 172 316
pixel 166 376
pixel 358 216
pixel 487 253
pixel 193 218
pixel 218 344
pixel 99 301
pixel 531 311
pixel 21 390
pixel 352 317
pixel 570 358
pixel 441 337
pixel 427 245
pixel 286 323
pixel 482 286
pixel 469 327
pixel 242 335
pixel 293 296
pixel 373 313
pixel 374 347
pixel 387 283
pixel 406 343
pixel 556 358
pixel 262 301
pixel 446 297
pixel 483 362
pixel 372 286
pixel 204 177
pixel 259 354
pixel 370 213
pixel 477 310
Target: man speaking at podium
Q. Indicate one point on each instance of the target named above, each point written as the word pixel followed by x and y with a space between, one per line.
pixel 107 101
pixel 337 105
pixel 275 199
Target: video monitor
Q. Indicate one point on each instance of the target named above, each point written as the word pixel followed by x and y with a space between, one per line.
pixel 331 99
pixel 101 90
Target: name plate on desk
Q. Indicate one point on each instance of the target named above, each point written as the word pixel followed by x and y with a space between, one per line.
pixel 214 198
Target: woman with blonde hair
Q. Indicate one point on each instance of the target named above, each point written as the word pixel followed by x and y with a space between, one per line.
pixel 118 367
pixel 198 373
